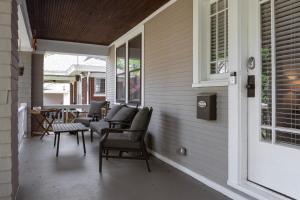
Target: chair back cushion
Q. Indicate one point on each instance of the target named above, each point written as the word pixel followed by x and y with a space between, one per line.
pixel 113 111
pixel 140 122
pixel 95 108
pixel 125 114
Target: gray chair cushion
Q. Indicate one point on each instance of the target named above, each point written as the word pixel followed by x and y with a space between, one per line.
pixel 99 126
pixel 113 111
pixel 125 114
pixel 84 120
pixel 140 122
pixel 120 140
pixel 95 108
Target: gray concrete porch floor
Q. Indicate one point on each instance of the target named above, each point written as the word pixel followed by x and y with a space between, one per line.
pixel 75 176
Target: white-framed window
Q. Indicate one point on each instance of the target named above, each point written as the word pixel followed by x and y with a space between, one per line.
pixel 210 36
pixel 129 80
pixel 99 86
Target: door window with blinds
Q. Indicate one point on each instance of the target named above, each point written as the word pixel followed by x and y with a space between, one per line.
pixel 280 71
pixel 218 37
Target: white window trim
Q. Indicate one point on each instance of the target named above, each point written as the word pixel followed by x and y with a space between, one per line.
pixel 201 75
pixel 237 106
pixel 99 94
pixel 124 40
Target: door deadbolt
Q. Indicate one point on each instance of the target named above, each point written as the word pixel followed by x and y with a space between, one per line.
pixel 251 86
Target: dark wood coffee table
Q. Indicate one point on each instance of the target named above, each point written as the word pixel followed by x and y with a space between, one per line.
pixel 66 128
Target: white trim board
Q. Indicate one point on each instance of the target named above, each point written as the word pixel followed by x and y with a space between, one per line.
pixel 199 177
pixel 71 48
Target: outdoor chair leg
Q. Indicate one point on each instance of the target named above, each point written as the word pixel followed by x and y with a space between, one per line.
pixel 77 138
pixel 107 154
pixel 100 158
pixel 146 156
pixel 84 150
pixel 92 135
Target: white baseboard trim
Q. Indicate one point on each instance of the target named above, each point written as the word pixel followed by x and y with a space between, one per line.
pixel 199 177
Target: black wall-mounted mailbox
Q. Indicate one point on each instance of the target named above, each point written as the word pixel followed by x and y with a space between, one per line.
pixel 207 106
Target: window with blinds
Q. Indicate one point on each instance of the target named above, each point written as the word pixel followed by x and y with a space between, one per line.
pixel 218 36
pixel 284 121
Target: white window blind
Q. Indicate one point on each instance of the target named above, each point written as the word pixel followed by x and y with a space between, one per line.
pixel 219 37
pixel 286 45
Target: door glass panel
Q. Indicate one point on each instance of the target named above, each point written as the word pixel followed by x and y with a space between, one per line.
pixel 287 38
pixel 266 135
pixel 266 57
pixel 285 42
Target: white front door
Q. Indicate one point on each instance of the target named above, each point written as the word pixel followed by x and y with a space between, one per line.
pixel 274 112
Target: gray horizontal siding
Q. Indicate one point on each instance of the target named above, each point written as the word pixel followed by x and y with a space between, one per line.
pixel 168 89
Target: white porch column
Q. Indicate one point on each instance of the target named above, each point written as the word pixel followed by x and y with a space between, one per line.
pixel 8 99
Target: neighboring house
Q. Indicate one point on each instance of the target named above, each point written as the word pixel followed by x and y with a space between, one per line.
pixel 86 83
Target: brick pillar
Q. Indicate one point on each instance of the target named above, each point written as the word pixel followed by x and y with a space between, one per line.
pixel 8 99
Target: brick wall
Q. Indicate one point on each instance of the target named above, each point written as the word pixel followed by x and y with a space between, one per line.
pixel 84 90
pixel 8 99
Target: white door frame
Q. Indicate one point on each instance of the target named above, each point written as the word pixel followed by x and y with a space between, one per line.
pixel 237 106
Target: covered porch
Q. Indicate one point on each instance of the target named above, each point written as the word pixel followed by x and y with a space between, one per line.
pixel 214 84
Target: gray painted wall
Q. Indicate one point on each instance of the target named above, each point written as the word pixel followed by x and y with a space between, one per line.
pixel 24 84
pixel 37 79
pixel 168 89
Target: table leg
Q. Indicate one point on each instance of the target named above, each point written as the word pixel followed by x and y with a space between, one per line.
pixel 54 139
pixel 58 140
pixel 77 138
pixel 83 141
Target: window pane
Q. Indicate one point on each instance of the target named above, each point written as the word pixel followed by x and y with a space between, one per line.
pixel 97 86
pixel 135 86
pixel 213 39
pixel 121 59
pixel 219 37
pixel 121 87
pixel 102 86
pixel 121 81
pixel 134 64
pixel 134 53
pixel 213 8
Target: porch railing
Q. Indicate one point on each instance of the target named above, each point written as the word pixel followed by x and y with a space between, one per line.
pixel 67 110
pixel 22 122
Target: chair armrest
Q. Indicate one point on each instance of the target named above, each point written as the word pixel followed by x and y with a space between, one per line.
pixel 118 123
pixel 108 131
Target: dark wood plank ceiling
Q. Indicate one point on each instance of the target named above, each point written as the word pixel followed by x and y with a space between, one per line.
pixel 87 21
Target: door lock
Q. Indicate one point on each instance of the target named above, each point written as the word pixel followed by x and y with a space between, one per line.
pixel 251 86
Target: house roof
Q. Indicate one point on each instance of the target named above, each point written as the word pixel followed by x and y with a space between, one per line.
pixel 92 21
